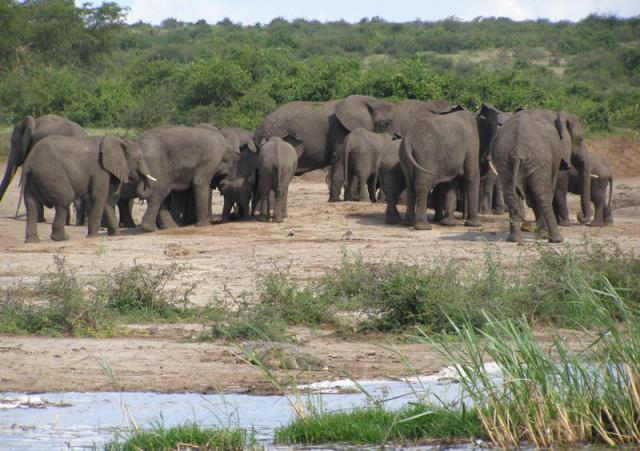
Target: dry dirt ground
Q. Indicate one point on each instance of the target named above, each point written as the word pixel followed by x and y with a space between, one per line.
pixel 161 358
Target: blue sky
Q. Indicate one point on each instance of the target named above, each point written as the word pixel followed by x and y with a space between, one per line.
pixel 252 11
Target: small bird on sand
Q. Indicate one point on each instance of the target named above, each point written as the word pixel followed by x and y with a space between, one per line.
pixel 347 235
pixel 291 233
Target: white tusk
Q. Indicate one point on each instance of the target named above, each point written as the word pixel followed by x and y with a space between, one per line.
pixel 593 176
pixel 493 168
pixel 153 179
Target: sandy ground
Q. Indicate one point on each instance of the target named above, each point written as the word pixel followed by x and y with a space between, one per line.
pixel 229 255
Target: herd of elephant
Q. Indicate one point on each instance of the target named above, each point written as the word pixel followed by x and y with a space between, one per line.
pixel 441 155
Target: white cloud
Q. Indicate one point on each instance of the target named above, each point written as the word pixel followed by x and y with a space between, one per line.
pixel 155 11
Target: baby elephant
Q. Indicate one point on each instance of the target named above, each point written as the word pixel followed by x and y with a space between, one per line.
pixel 60 169
pixel 277 164
pixel 601 181
pixel 237 193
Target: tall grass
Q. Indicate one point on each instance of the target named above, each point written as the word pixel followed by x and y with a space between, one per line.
pixel 557 396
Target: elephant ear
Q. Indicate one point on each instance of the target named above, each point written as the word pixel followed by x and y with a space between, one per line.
pixel 21 138
pixel 114 155
pixel 250 145
pixel 451 109
pixel 560 123
pixel 356 112
pixel 295 143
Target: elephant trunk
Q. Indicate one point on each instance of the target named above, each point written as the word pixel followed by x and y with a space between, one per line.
pixel 584 169
pixel 10 171
pixel 146 183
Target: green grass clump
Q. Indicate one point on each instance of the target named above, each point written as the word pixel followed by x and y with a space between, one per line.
pixel 186 436
pixel 376 425
pixel 556 396
pixel 62 303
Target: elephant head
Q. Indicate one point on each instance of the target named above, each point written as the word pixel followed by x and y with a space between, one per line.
pixel 20 146
pixel 366 112
pixel 124 160
pixel 572 136
pixel 489 120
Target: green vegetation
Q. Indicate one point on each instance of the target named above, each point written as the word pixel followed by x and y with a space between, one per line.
pixel 556 396
pixel 359 297
pixel 377 426
pixel 186 436
pixel 59 305
pixel 87 64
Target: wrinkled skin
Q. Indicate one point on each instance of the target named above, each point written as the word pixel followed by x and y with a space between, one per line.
pixel 181 158
pixel 378 116
pixel 528 151
pixel 362 156
pixel 601 183
pixel 437 148
pixel 26 134
pixel 60 169
pixel 277 164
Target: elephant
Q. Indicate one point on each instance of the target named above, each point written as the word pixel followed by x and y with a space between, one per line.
pixel 363 154
pixel 315 133
pixel 375 115
pixel 392 181
pixel 26 134
pixel 569 181
pixel 183 158
pixel 60 169
pixel 277 164
pixel 528 151
pixel 436 148
pixel 237 194
pixel 489 121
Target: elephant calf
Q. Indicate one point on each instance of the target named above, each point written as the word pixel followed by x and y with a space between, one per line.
pixel 570 181
pixel 277 164
pixel 363 153
pixel 60 169
pixel 237 193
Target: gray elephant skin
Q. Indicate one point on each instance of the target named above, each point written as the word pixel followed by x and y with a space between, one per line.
pixel 438 148
pixel 183 158
pixel 26 134
pixel 489 121
pixel 363 154
pixel 601 182
pixel 60 169
pixel 277 164
pixel 528 151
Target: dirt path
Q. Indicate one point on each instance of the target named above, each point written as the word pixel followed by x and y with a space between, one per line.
pixel 229 255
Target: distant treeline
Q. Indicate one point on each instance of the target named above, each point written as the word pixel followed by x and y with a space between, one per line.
pixel 87 64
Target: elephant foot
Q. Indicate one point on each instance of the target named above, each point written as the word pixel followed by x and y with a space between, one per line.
pixel 514 238
pixel 32 239
pixel 499 210
pixel 393 218
pixel 473 222
pixel 422 225
pixel 127 225
pixel 59 236
pixel 262 218
pixel 278 220
pixel 596 224
pixel 334 199
pixel 202 223
pixel 582 219
pixel 564 223
pixel 527 227
pixel 555 238
pixel 146 227
pixel 448 222
pixel 113 232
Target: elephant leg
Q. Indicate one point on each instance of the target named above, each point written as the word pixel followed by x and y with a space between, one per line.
pixel 59 221
pixel 372 188
pixel 392 216
pixel 109 217
pixel 542 202
pixel 154 203
pixel 31 204
pixel 98 205
pixel 165 219
pixel 561 208
pixel 125 207
pixel 278 209
pixel 449 200
pixel 210 204
pixel 337 181
pixel 498 198
pixel 226 209
pixel 422 189
pixel 41 213
pixel 599 199
pixel 67 220
pixel 410 213
pixel 513 203
pixel 472 191
pixel 486 194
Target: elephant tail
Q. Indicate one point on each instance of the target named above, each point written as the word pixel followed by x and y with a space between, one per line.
pixel 408 151
pixel 515 169
pixel 346 167
pixel 610 192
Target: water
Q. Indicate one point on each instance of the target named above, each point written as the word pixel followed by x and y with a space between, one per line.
pixel 92 419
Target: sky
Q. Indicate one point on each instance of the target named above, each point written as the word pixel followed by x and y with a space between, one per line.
pixel 251 11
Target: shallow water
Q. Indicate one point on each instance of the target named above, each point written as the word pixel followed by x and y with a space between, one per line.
pixel 92 419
